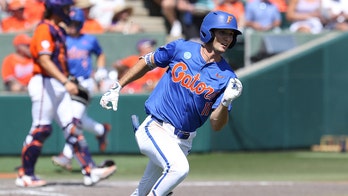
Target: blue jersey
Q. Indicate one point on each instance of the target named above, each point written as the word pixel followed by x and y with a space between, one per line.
pixel 80 50
pixel 190 89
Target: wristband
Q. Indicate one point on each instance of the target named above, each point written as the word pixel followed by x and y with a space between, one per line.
pixel 226 103
pixel 148 61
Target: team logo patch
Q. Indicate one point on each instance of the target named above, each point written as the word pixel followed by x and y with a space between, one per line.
pixel 187 55
pixel 229 19
pixel 45 44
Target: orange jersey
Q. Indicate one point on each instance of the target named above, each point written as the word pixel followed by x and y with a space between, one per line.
pixel 18 68
pixel 150 78
pixel 49 39
pixel 92 27
pixel 12 24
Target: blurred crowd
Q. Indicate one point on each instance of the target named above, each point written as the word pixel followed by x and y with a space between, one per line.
pixel 307 16
pixel 182 19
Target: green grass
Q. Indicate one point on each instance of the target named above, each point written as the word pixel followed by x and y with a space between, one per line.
pixel 268 166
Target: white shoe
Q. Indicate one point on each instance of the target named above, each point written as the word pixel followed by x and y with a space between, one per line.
pixel 176 29
pixel 29 181
pixel 97 174
pixel 62 161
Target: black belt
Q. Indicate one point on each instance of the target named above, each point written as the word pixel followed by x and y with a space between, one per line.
pixel 180 134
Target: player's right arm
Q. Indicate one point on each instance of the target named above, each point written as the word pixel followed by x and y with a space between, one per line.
pixel 110 99
pixel 48 65
pixel 135 72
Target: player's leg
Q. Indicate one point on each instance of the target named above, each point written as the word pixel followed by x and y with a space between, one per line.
pixel 151 175
pixel 98 129
pixel 80 104
pixel 41 129
pixel 164 151
pixel 64 159
pixel 74 136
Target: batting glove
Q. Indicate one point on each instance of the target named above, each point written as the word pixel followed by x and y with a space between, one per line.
pixel 232 91
pixel 110 99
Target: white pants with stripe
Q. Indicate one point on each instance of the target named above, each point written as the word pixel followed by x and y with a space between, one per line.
pixel 168 165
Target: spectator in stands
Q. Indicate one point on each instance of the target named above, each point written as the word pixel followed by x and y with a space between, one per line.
pixel 262 15
pixel 2 11
pixel 91 25
pixel 169 11
pixel 122 23
pixel 305 16
pixel 16 22
pixel 336 14
pixel 34 10
pixel 192 13
pixel 280 4
pixel 150 79
pixel 235 7
pixel 17 67
pixel 103 10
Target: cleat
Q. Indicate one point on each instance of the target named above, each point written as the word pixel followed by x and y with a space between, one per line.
pixel 97 174
pixel 102 139
pixel 28 181
pixel 62 161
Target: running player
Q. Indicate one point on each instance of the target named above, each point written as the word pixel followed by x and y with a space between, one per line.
pixel 49 90
pixel 199 84
pixel 80 48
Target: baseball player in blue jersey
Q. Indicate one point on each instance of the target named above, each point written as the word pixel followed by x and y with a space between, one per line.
pixel 80 48
pixel 199 84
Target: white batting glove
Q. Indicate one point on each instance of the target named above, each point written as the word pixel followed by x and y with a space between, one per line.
pixel 110 99
pixel 101 74
pixel 232 91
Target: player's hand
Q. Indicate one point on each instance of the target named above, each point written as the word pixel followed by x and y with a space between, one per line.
pixel 71 87
pixel 110 99
pixel 232 91
pixel 101 74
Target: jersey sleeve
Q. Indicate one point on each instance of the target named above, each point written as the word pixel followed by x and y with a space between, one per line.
pixel 164 54
pixel 97 49
pixel 42 41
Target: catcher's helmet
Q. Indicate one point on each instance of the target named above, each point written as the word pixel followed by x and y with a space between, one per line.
pixel 77 15
pixel 56 7
pixel 218 20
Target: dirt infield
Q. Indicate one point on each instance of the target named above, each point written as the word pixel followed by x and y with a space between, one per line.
pixel 187 188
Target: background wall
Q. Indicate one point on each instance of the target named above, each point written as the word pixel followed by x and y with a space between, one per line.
pixel 289 103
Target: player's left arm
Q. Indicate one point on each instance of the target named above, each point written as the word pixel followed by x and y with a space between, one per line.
pixel 219 117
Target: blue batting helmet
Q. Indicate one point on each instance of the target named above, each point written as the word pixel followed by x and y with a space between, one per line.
pixel 56 7
pixel 76 14
pixel 218 20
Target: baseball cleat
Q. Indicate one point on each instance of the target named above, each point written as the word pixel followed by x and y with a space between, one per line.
pixel 62 161
pixel 97 174
pixel 102 140
pixel 28 181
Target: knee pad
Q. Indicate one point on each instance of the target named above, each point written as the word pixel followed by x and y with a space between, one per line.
pixel 41 133
pixel 77 140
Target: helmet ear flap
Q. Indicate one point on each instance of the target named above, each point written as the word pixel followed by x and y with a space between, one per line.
pixel 205 34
